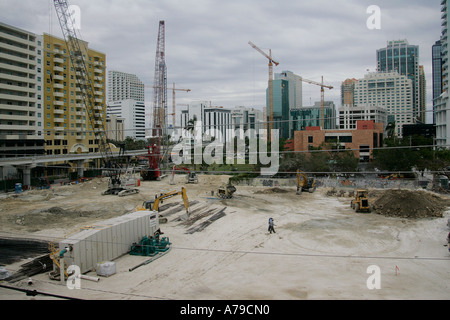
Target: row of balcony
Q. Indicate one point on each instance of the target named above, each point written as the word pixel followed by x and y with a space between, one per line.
pixel 15 68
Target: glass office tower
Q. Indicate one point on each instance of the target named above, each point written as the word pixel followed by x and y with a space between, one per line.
pixel 280 107
pixel 402 57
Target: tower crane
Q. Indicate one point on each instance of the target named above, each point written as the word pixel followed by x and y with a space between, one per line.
pixel 173 95
pixel 77 52
pixel 173 101
pixel 322 98
pixel 271 63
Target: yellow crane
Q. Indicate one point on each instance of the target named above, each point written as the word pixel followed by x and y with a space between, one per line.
pixel 173 100
pixel 322 98
pixel 271 63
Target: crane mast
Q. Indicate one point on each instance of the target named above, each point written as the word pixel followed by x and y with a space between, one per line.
pixel 173 114
pixel 173 101
pixel 271 63
pixel 159 129
pixel 160 86
pixel 77 58
pixel 322 98
pixel 77 53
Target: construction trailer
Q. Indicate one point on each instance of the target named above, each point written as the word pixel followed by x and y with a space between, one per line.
pixel 106 241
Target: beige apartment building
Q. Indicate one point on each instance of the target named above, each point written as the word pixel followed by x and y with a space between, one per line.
pixel 67 123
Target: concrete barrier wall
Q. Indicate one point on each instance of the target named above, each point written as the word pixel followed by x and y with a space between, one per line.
pixel 326 182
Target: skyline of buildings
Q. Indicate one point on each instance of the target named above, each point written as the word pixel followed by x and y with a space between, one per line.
pixel 44 103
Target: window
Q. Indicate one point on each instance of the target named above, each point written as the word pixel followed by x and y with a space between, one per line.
pixel 364 148
pixel 331 139
pixel 310 139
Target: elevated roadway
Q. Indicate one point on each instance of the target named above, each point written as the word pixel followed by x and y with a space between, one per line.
pixel 28 163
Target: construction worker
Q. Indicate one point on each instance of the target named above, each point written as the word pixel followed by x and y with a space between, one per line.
pixel 448 242
pixel 271 225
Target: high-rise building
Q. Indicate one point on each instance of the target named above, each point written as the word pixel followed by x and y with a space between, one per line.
pixel 441 104
pixel 295 85
pixel 305 117
pixel 348 92
pixel 444 42
pixel 213 122
pixel 350 115
pixel 133 114
pixel 21 108
pixel 437 69
pixel 247 119
pixel 126 99
pixel 422 116
pixel 403 58
pixel 388 90
pixel 281 107
pixel 115 129
pixel 124 86
pixel 67 124
pixel 436 73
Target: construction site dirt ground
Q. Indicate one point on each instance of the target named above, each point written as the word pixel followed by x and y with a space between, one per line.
pixel 322 249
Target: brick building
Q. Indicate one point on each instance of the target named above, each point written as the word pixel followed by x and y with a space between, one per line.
pixel 368 135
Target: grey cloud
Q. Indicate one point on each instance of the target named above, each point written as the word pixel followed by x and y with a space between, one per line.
pixel 207 40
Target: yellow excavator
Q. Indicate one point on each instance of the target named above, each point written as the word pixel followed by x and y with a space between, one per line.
pixel 153 205
pixel 304 183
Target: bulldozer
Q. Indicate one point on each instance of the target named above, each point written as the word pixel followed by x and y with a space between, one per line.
pixel 304 183
pixel 361 202
pixel 226 192
pixel 192 177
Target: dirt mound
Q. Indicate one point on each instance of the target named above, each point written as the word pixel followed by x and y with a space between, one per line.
pixel 272 190
pixel 410 204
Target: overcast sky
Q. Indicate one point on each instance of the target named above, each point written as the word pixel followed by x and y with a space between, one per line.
pixel 207 47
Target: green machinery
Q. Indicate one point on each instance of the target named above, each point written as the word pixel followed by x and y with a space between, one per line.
pixel 150 246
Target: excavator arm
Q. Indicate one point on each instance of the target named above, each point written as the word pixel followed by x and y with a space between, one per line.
pixel 154 205
pixel 300 177
pixel 305 184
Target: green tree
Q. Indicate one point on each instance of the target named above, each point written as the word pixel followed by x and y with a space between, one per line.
pixel 345 161
pixel 318 161
pixel 396 156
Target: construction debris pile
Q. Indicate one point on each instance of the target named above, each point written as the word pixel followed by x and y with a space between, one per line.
pixel 409 204
pixel 272 190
